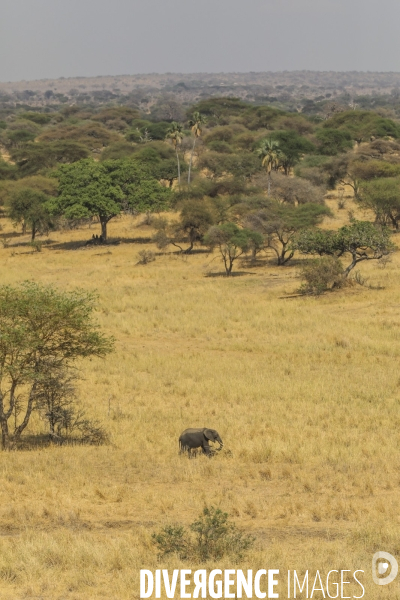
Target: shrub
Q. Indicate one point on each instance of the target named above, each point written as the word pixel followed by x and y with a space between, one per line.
pixel 216 537
pixel 57 403
pixel 145 256
pixel 171 540
pixel 36 246
pixel 321 275
pixel 211 536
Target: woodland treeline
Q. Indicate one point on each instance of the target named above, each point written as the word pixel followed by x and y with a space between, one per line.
pixel 308 92
pixel 240 178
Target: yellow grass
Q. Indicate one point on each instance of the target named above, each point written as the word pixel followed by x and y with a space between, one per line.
pixel 304 393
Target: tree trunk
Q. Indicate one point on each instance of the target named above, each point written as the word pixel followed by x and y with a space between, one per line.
pixel 103 223
pixel 269 184
pixel 351 265
pixel 283 259
pixel 179 167
pixel 188 250
pixel 33 233
pixel 5 438
pixel 5 415
pixel 395 222
pixel 190 162
pixel 18 431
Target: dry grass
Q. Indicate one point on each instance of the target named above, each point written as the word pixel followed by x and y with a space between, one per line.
pixel 304 392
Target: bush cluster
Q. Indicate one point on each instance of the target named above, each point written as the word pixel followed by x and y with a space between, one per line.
pixel 211 536
pixel 320 275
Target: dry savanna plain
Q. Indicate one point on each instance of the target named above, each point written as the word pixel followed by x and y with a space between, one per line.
pixel 304 391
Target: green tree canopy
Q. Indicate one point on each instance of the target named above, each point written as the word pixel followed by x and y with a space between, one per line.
pixel 88 188
pixel 41 329
pixel 196 124
pixel 270 153
pixel 29 207
pixel 361 125
pixel 40 156
pixel 292 147
pixel 279 223
pixel 361 239
pixel 232 242
pixel 195 220
pixel 91 135
pixel 382 196
pixel 27 202
pixel 332 141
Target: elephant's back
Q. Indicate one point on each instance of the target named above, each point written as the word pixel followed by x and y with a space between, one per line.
pixel 191 430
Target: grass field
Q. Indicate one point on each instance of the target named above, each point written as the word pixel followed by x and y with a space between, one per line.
pixel 305 393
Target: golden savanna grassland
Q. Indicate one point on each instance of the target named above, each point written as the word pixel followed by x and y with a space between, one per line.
pixel 305 393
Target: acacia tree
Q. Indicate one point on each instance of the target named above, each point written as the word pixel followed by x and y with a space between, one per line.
pixel 232 242
pixel 382 196
pixel 38 156
pixel 292 146
pixel 41 330
pixel 361 239
pixel 27 202
pixel 279 223
pixel 175 134
pixel 29 207
pixel 195 220
pixel 196 123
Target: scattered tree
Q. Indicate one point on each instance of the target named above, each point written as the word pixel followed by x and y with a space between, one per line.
pixel 232 242
pixel 292 146
pixel 30 208
pixel 270 154
pixel 382 196
pixel 175 134
pixel 361 239
pixel 42 329
pixel 195 220
pixel 27 203
pixel 196 123
pixel 88 189
pixel 279 223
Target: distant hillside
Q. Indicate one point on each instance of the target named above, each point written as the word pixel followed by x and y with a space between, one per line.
pixel 294 91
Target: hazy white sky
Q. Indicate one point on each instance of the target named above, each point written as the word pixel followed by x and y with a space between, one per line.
pixel 65 38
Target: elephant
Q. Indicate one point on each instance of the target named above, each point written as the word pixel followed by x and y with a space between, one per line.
pixel 199 438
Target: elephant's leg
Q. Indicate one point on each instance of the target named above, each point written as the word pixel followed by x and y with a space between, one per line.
pixel 207 450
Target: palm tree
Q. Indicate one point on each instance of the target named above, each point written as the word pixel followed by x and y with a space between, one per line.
pixel 175 134
pixel 196 123
pixel 270 153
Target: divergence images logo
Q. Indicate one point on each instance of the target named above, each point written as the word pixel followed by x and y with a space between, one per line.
pixel 380 565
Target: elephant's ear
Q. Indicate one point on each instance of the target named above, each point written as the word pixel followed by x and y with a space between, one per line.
pixel 209 435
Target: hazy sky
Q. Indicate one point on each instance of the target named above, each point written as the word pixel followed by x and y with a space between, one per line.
pixel 65 38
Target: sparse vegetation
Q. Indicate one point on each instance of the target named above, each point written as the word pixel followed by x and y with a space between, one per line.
pixel 304 391
pixel 43 331
pixel 211 537
pixel 321 275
